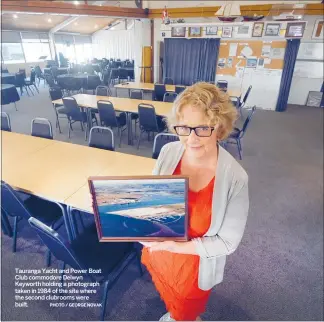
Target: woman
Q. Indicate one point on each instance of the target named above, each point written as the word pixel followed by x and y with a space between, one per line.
pixel 185 272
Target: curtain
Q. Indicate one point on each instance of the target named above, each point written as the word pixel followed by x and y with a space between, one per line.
pixel 189 60
pixel 287 73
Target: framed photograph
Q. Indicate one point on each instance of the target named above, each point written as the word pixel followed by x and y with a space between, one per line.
pixel 295 29
pixel 227 32
pixel 194 31
pixel 272 29
pixel 257 29
pixel 318 32
pixel 211 30
pixel 141 208
pixel 178 32
pixel 251 62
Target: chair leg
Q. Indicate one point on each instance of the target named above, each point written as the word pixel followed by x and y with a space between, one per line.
pixel 81 220
pixel 104 301
pixel 70 127
pixel 14 242
pixel 36 87
pixel 120 136
pixel 139 139
pixel 15 106
pixel 239 149
pixel 86 131
pixel 48 258
pixel 138 260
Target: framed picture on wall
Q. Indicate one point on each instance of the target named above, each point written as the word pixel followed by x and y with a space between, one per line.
pixel 257 29
pixel 178 32
pixel 295 29
pixel 211 30
pixel 318 32
pixel 227 32
pixel 194 31
pixel 272 29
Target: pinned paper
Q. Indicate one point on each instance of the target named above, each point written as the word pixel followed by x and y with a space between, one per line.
pixel 232 49
pixel 267 61
pixel 266 50
pixel 247 51
pixel 230 62
pixel 282 32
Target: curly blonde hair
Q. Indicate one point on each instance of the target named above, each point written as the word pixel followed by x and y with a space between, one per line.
pixel 213 102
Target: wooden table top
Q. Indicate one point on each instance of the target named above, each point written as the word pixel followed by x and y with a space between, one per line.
pixel 169 88
pixel 120 104
pixel 58 170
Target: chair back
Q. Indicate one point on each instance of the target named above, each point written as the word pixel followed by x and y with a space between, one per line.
pixel 42 128
pixel 147 118
pixel 222 84
pixel 169 97
pixel 4 70
pixel 247 121
pixel 38 71
pixel 179 89
pixel 11 204
pixel 5 122
pixel 49 80
pixel 103 91
pixel 22 71
pixel 246 95
pixel 20 79
pixel 235 101
pixel 32 76
pixel 160 140
pixel 159 91
pixel 54 71
pixel 102 138
pixel 55 243
pixel 137 94
pixel 168 81
pixel 72 109
pixel 123 73
pixel 107 113
pixel 93 81
pixel 55 93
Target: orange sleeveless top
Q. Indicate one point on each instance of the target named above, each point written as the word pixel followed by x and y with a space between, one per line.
pixel 176 275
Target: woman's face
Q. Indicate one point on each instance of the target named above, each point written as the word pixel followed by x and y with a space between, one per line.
pixel 196 146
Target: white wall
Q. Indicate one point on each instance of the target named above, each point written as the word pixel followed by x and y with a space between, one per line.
pixel 300 86
pixel 123 44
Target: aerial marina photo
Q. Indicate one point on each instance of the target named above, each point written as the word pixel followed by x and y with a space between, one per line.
pixel 140 208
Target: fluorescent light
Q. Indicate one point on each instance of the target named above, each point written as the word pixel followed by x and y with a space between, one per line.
pixel 76 2
pixel 49 20
pixel 96 26
pixel 75 24
pixel 15 16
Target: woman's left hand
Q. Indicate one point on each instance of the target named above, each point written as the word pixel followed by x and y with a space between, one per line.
pixel 172 246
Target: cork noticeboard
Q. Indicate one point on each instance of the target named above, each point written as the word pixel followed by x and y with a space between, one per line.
pixel 240 61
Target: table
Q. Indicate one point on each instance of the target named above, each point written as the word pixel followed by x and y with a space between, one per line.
pixel 59 171
pixel 60 70
pixel 120 104
pixel 9 94
pixel 169 88
pixel 78 77
pixel 8 78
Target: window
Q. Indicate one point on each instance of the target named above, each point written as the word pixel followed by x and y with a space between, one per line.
pixel 12 53
pixel 35 50
pixel 83 53
pixel 35 45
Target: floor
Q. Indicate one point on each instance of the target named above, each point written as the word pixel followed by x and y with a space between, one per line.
pixel 277 271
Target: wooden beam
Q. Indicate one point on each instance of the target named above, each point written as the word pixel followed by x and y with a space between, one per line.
pixel 264 9
pixel 70 8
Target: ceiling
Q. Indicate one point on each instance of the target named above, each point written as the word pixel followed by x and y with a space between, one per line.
pixel 39 22
pixel 45 22
pixel 88 25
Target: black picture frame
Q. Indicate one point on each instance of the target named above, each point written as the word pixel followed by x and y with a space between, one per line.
pixel 271 26
pixel 133 208
pixel 289 32
pixel 178 32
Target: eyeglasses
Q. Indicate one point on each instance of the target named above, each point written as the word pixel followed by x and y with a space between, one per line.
pixel 202 131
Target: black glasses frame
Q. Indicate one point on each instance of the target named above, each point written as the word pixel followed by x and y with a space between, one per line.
pixel 194 129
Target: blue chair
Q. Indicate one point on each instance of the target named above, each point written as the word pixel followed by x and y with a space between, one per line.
pixel 160 140
pixel 85 252
pixel 169 97
pixel 238 134
pixel 12 205
pixel 246 96
pixel 42 128
pixel 102 138
pixel 159 91
pixel 5 122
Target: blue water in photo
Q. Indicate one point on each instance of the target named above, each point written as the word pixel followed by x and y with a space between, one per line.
pixel 134 195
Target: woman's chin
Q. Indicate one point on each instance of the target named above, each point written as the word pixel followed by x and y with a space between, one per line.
pixel 196 151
